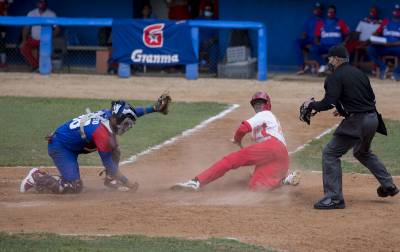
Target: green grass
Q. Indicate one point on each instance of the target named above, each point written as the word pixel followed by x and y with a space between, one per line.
pixel 51 242
pixel 386 147
pixel 25 121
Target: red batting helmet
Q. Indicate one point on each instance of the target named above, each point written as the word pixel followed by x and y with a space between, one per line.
pixel 262 96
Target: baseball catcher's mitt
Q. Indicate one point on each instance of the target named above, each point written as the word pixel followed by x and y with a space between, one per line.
pixel 162 103
pixel 306 112
pixel 120 182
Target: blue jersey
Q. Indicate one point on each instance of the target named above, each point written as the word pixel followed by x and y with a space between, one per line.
pixel 390 30
pixel 89 133
pixel 70 133
pixel 309 27
pixel 331 31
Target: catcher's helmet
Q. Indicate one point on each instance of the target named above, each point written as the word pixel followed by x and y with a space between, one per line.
pixel 125 115
pixel 261 96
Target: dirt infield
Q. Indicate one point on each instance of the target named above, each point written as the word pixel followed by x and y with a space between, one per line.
pixel 282 219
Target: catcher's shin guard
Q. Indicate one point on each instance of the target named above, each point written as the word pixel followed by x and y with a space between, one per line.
pixel 71 187
pixel 45 183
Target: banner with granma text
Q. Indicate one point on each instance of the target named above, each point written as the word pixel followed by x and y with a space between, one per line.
pixel 152 42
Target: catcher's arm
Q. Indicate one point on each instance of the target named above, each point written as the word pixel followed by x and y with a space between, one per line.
pixel 120 182
pixel 161 105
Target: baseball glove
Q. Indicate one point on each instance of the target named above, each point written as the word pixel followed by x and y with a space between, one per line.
pixel 306 112
pixel 162 103
pixel 119 182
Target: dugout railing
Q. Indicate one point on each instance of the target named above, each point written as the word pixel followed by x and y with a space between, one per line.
pixel 191 70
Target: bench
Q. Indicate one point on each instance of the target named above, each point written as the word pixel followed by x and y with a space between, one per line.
pixel 102 54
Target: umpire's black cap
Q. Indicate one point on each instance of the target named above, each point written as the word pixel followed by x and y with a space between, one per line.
pixel 338 51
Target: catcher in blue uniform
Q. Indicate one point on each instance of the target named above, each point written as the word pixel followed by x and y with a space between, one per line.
pixel 91 132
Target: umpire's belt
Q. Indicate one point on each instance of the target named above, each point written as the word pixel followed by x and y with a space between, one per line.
pixel 365 112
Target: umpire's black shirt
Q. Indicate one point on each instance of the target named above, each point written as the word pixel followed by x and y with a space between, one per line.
pixel 347 87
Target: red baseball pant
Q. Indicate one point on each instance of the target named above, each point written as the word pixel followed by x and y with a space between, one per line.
pixel 270 158
pixel 27 51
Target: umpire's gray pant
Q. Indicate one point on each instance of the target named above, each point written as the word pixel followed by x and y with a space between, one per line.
pixel 357 132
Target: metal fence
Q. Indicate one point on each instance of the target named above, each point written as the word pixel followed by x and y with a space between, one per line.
pixel 73 54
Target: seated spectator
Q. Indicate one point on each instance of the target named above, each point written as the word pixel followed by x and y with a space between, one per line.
pixel 307 38
pixel 31 37
pixel 178 9
pixel 389 29
pixel 208 42
pixel 214 5
pixel 147 11
pixel 3 32
pixel 328 32
pixel 365 29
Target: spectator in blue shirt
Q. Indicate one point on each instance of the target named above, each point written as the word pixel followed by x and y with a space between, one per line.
pixel 307 37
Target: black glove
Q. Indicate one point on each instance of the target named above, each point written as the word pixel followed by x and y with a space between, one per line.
pixel 306 112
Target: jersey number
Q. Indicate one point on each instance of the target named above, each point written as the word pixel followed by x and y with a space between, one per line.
pixel 76 122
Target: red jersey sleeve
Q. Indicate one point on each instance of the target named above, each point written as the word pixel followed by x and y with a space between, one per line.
pixel 318 26
pixel 383 24
pixel 101 138
pixel 343 27
pixel 243 129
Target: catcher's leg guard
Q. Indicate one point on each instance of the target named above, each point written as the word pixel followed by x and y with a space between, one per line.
pixel 71 187
pixel 45 183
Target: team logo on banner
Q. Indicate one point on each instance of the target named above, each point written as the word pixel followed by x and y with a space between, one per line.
pixel 153 35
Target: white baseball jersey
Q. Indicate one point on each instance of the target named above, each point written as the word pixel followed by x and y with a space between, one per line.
pixel 263 125
pixel 36 29
pixel 366 29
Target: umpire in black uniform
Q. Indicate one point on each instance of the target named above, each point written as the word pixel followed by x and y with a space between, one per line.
pixel 350 92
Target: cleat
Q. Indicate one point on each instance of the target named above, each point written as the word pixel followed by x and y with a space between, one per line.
pixel 304 70
pixel 292 178
pixel 389 191
pixel 28 182
pixel 396 77
pixel 328 203
pixel 383 72
pixel 191 185
pixel 322 69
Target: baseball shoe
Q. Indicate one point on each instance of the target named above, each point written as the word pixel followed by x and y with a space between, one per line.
pixel 389 191
pixel 303 70
pixel 191 185
pixel 329 203
pixel 28 182
pixel 396 77
pixel 292 178
pixel 383 72
pixel 322 69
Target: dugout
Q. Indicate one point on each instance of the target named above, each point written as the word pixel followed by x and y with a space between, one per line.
pixel 282 18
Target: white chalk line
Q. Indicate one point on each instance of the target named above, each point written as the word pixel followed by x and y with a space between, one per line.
pixel 184 134
pixel 113 235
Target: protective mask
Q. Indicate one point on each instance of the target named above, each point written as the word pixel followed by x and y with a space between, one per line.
pixel 373 14
pixel 124 126
pixel 42 6
pixel 331 15
pixel 208 13
pixel 331 67
pixel 317 12
pixel 396 14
